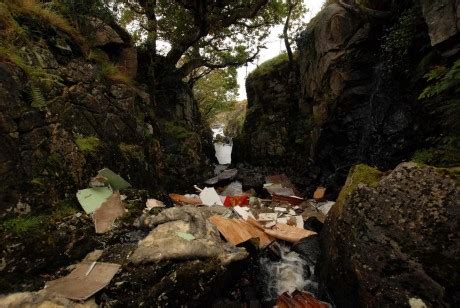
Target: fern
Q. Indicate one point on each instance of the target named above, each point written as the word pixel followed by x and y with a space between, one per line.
pixel 441 94
pixel 38 100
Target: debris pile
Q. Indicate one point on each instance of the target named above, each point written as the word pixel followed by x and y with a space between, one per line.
pixel 216 223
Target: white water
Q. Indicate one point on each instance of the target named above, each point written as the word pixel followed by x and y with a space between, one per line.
pixel 223 150
pixel 286 275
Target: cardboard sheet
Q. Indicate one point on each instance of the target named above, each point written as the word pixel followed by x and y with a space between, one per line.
pixel 84 281
pixel 92 198
pixel 115 181
pixel 288 233
pixel 108 212
pixel 237 231
pixel 184 200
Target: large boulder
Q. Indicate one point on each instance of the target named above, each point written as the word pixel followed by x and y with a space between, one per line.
pixel 392 240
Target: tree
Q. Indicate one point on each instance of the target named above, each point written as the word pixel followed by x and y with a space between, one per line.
pixel 295 9
pixel 216 92
pixel 206 33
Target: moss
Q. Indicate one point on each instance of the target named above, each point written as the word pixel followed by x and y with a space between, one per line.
pixel 109 70
pixel 88 144
pixel 39 181
pixel 24 225
pixel 358 174
pixel 270 65
pixel 178 131
pixel 38 11
pixel 64 209
pixel 132 151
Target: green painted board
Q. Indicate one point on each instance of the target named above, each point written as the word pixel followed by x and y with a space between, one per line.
pixel 186 236
pixel 92 198
pixel 116 181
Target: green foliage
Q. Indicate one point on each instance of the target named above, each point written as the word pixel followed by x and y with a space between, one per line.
pixel 441 95
pixel 24 225
pixel 35 74
pixel 108 69
pixel 269 65
pixel 397 43
pixel 35 9
pixel 132 151
pixel 446 153
pixel 216 92
pixel 88 144
pixel 63 209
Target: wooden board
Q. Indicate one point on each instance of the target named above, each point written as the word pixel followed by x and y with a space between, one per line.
pixel 237 231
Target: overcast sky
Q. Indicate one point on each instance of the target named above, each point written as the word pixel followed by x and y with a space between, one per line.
pixel 274 45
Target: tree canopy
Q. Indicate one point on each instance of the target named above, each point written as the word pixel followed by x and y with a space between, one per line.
pixel 203 33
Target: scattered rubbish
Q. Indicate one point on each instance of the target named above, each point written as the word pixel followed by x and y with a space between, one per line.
pixel 93 256
pixel 311 211
pixel 231 201
pixel 277 189
pixel 288 233
pixel 152 203
pixel 226 175
pixel 114 180
pixel 92 198
pixel 244 212
pixel 325 207
pixel 267 216
pixel 284 181
pixel 238 231
pixel 186 236
pixel 108 212
pixel 319 193
pixel 282 220
pixel 270 224
pixel 233 189
pixel 299 299
pixel 185 199
pixel 280 209
pixel 84 281
pixel 294 200
pixel 299 222
pixel 210 197
pixel 163 242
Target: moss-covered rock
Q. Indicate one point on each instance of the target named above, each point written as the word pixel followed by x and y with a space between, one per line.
pixel 391 238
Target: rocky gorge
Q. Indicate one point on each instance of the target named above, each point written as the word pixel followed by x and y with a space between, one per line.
pixel 357 112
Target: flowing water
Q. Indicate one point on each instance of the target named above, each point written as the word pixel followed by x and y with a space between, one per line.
pixel 223 149
pixel 288 274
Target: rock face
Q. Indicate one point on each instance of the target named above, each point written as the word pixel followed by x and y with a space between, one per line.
pixel 273 131
pixel 361 72
pixel 442 18
pixel 88 119
pixel 392 240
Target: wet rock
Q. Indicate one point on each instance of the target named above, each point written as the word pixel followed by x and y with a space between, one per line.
pixel 308 248
pixel 389 240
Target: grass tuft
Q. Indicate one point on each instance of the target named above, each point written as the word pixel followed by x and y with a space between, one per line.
pixel 88 144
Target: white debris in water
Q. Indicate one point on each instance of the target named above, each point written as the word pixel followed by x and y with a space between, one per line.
pixel 286 275
pixel 223 153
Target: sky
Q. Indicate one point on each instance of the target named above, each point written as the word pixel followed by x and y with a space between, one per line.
pixel 274 46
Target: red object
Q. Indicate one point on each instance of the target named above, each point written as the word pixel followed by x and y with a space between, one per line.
pixel 299 300
pixel 231 201
pixel 289 199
